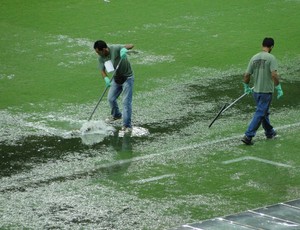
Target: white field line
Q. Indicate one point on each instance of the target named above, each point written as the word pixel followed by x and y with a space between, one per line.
pixel 256 159
pixel 237 224
pixel 190 227
pixel 290 206
pixel 189 147
pixel 289 223
pixel 216 219
pixel 204 144
pixel 151 179
pixel 283 222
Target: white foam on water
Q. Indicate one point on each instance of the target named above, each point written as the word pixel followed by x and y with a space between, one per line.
pixel 17 126
pixel 93 132
pixel 96 127
pixel 136 132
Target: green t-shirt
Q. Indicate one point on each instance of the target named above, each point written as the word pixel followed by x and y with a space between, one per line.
pixel 124 69
pixel 260 67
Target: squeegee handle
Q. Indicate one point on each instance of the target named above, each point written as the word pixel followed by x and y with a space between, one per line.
pixel 235 101
pixel 100 99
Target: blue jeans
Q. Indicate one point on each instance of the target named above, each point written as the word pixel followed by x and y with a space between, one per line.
pixel 113 94
pixel 261 115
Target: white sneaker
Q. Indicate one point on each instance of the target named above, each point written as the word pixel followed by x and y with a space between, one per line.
pixel 126 129
pixel 112 119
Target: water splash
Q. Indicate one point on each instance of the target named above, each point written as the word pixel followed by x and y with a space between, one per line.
pixel 92 132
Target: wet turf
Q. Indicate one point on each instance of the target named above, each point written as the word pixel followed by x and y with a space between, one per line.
pixel 188 64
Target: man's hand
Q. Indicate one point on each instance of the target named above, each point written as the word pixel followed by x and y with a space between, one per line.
pixel 247 89
pixel 107 82
pixel 123 53
pixel 279 91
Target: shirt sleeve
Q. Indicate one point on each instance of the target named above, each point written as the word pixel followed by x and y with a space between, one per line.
pixel 101 64
pixel 273 64
pixel 249 69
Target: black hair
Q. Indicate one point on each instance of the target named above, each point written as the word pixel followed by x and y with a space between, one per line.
pixel 100 45
pixel 268 42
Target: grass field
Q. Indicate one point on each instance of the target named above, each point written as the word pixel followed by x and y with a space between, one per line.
pixel 189 60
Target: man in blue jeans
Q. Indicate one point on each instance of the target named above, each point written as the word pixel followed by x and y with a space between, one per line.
pixel 122 81
pixel 263 69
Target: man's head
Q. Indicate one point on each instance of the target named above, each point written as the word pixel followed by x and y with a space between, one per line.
pixel 268 43
pixel 101 48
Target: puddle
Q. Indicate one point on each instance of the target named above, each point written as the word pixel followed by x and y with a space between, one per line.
pixel 207 99
pixel 198 104
pixel 226 90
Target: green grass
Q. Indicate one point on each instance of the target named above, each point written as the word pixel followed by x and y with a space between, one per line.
pixel 200 172
pixel 203 34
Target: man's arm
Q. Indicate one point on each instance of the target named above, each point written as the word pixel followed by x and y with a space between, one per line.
pixel 106 78
pixel 129 46
pixel 277 84
pixel 247 89
pixel 247 78
pixel 103 73
pixel 125 49
pixel 275 78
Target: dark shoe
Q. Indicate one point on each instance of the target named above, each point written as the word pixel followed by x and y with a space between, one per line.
pixel 272 136
pixel 247 140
